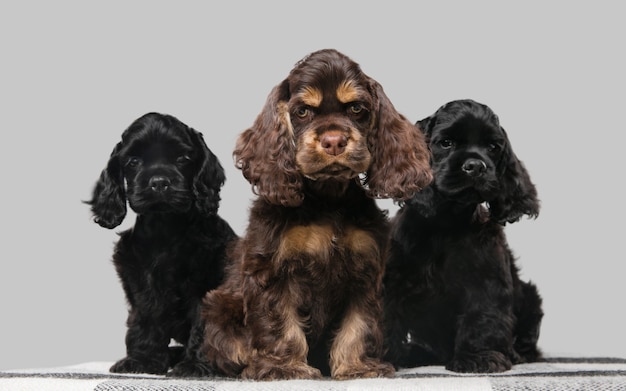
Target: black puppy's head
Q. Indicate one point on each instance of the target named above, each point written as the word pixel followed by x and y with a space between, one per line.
pixel 473 162
pixel 160 166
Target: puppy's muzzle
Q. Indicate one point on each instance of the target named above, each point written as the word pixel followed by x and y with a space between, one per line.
pixel 474 167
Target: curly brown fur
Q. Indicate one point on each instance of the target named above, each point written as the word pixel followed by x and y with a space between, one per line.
pixel 175 251
pixel 453 296
pixel 303 295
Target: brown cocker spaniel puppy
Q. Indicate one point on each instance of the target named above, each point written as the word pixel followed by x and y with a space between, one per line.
pixel 453 295
pixel 304 292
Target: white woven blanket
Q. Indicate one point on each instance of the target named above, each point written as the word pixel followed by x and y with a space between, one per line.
pixel 554 375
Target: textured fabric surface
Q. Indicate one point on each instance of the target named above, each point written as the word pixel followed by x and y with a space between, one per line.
pixel 555 374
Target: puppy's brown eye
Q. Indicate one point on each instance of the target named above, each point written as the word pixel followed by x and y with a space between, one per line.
pixel 302 112
pixel 356 108
pixel 446 144
pixel 133 161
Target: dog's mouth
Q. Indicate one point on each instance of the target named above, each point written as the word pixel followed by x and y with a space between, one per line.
pixel 479 188
pixel 474 189
pixel 333 171
pixel 318 165
pixel 149 201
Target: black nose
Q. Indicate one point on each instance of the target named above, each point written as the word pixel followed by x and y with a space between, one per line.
pixel 159 183
pixel 474 167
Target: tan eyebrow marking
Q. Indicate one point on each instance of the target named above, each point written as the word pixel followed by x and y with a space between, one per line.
pixel 348 91
pixel 311 96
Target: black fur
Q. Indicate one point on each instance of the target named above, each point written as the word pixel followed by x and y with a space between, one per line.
pixel 453 296
pixel 175 252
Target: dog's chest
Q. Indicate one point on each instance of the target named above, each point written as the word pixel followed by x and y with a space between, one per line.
pixel 160 268
pixel 321 266
pixel 327 255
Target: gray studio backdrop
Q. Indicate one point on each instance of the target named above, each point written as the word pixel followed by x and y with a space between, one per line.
pixel 74 75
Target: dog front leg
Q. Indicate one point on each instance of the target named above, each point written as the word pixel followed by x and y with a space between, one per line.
pixel 357 345
pixel 280 346
pixel 193 363
pixel 484 341
pixel 146 347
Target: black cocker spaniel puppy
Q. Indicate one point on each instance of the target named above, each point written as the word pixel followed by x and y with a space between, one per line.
pixel 303 297
pixel 175 252
pixel 453 296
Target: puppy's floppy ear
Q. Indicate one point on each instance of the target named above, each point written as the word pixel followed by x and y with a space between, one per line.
pixel 426 126
pixel 108 201
pixel 518 195
pixel 265 153
pixel 401 159
pixel 209 177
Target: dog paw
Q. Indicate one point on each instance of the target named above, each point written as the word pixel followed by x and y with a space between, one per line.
pixel 188 368
pixel 132 365
pixel 483 362
pixel 368 369
pixel 280 372
pixel 527 354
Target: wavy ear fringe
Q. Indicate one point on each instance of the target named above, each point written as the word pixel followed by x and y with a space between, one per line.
pixel 518 195
pixel 265 153
pixel 210 176
pixel 401 159
pixel 108 201
pixel 425 126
